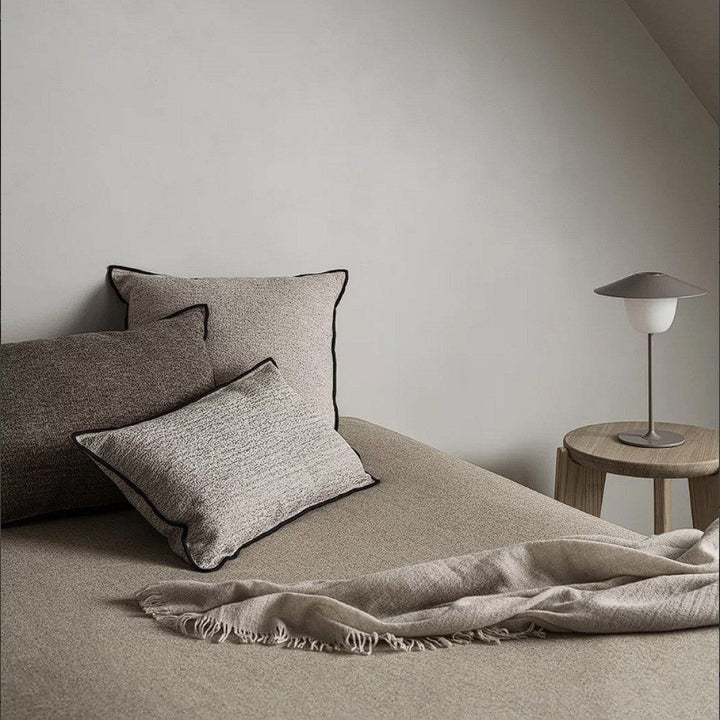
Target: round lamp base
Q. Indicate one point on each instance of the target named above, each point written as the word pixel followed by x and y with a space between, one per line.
pixel 661 439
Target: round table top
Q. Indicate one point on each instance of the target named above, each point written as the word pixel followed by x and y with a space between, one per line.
pixel 597 447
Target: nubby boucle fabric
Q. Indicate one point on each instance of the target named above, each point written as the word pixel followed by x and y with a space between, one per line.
pixel 53 388
pixel 229 468
pixel 291 319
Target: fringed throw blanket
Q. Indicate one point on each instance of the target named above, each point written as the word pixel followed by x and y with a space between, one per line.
pixel 583 584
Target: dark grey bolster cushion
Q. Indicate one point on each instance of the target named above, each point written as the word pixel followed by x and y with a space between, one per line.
pixel 229 468
pixel 291 319
pixel 53 388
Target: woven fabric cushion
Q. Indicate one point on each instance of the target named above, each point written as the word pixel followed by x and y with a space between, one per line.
pixel 229 468
pixel 53 388
pixel 291 319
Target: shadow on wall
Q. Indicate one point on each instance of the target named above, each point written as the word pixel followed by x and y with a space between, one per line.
pixel 99 310
pixel 522 467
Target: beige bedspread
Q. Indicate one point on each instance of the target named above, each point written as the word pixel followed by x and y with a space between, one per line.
pixel 76 646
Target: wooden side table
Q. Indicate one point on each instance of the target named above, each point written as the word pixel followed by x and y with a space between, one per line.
pixel 590 452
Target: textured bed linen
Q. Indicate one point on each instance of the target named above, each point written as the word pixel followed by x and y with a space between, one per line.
pixel 585 584
pixel 75 644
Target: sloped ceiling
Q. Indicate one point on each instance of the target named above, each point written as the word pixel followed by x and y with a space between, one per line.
pixel 687 32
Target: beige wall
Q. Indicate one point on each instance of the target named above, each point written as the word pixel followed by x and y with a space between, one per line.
pixel 479 166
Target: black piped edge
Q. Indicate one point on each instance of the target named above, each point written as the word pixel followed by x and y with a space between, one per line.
pixel 181 525
pixel 334 336
pixel 109 273
pixel 110 269
pixel 203 306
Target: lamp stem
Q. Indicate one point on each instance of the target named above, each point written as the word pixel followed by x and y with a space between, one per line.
pixel 651 422
pixel 651 439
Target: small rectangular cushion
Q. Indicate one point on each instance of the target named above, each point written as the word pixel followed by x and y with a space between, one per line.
pixel 230 467
pixel 291 319
pixel 53 388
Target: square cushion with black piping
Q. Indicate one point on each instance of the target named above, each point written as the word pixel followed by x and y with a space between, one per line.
pixel 291 319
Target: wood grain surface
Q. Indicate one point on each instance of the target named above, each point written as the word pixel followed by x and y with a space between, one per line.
pixel 578 486
pixel 597 447
pixel 661 496
pixel 704 499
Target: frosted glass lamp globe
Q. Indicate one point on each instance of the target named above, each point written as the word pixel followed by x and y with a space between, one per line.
pixel 651 315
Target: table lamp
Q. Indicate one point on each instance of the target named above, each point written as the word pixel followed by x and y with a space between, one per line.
pixel 650 301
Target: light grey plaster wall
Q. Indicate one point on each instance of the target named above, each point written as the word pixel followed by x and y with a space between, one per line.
pixel 479 166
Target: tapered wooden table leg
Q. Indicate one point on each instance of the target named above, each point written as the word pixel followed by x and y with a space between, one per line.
pixel 578 486
pixel 704 500
pixel 598 447
pixel 662 505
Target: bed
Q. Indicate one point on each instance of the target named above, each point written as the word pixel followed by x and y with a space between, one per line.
pixel 76 645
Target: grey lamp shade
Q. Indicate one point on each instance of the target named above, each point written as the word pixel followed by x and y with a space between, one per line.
pixel 650 285
pixel 650 301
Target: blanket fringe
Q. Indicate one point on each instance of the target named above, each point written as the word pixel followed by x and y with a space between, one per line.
pixel 355 641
